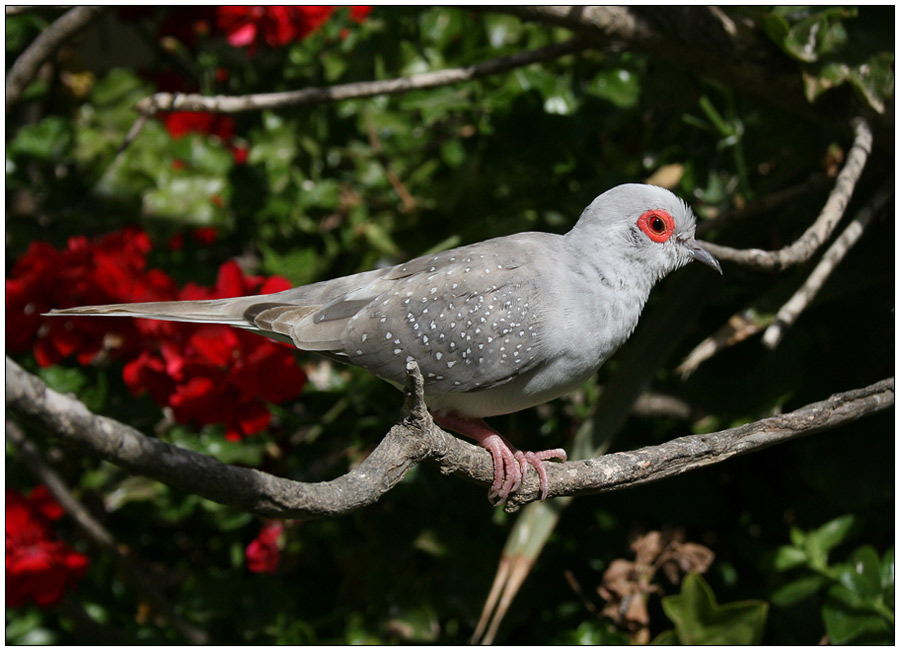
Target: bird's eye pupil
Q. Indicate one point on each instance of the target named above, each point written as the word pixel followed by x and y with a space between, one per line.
pixel 658 225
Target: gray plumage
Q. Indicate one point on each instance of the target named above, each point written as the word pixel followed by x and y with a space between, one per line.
pixel 495 327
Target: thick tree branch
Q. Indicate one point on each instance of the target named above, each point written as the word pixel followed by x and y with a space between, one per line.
pixel 138 576
pixel 415 438
pixel 808 243
pixel 42 48
pixel 624 469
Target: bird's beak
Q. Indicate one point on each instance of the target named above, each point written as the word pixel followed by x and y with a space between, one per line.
pixel 700 254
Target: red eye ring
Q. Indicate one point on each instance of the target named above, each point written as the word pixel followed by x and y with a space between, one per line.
pixel 658 225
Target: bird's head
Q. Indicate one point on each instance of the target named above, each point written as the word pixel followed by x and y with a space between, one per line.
pixel 642 225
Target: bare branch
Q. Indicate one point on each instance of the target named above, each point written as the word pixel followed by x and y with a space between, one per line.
pixel 808 243
pixel 624 469
pixel 740 326
pixel 833 256
pixel 138 576
pixel 242 488
pixel 415 438
pixel 42 48
pixel 316 95
pixel 149 106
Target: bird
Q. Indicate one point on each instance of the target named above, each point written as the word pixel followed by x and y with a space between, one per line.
pixel 495 327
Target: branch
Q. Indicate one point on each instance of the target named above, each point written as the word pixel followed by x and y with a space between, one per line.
pixel 245 489
pixel 833 256
pixel 139 577
pixel 413 439
pixel 42 48
pixel 316 95
pixel 807 244
pixel 624 469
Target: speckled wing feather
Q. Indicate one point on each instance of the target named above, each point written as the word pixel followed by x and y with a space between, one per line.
pixel 467 316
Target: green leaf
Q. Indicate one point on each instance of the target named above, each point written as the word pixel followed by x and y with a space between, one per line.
pixel 873 80
pixel 699 619
pixel 300 266
pixel 812 35
pixel 798 590
pixel 822 540
pixel 49 139
pixel 63 380
pixel 846 620
pixel 118 87
pixel 186 198
pixel 861 574
pixel 592 633
pixel 787 557
pixel 617 85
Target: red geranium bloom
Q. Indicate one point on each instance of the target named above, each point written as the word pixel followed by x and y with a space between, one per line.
pixel 275 26
pixel 205 373
pixel 181 123
pixel 263 553
pixel 38 568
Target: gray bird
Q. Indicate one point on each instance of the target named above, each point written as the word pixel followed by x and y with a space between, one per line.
pixel 495 327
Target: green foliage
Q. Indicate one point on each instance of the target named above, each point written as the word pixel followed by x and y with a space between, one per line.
pixel 336 188
pixel 699 619
pixel 856 595
pixel 835 49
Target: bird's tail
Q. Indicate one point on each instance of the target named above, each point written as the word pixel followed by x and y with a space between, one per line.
pixel 228 311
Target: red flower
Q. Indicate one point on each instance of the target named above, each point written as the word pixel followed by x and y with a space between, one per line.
pixel 38 568
pixel 181 123
pixel 239 154
pixel 263 553
pixel 248 26
pixel 360 13
pixel 205 235
pixel 252 26
pixel 107 270
pixel 206 374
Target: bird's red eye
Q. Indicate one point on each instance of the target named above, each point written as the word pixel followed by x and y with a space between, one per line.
pixel 658 225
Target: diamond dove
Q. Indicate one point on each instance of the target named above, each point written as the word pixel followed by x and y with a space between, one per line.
pixel 495 327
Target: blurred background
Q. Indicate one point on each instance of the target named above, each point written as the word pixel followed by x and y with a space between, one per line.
pixel 205 205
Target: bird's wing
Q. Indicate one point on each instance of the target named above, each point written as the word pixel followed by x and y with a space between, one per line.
pixel 467 316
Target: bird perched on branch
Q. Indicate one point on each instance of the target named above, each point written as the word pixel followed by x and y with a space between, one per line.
pixel 495 327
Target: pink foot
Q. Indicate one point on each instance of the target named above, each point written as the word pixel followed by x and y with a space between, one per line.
pixel 510 463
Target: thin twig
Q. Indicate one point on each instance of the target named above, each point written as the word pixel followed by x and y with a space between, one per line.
pixel 31 456
pixel 816 235
pixel 415 438
pixel 740 326
pixel 151 105
pixel 625 469
pixel 42 48
pixel 315 95
pixel 833 256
